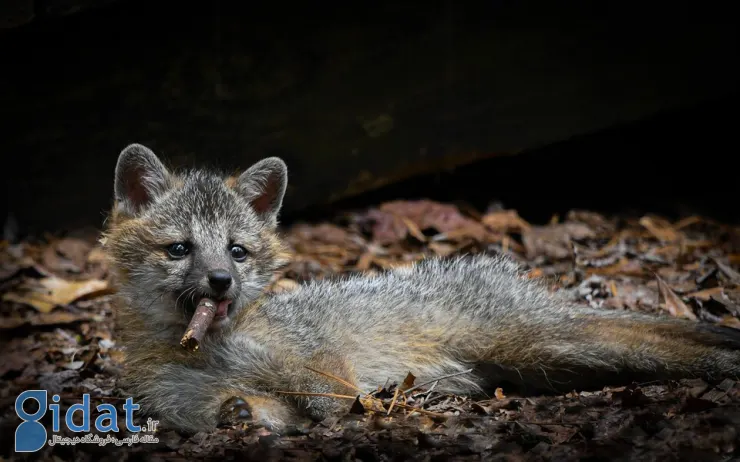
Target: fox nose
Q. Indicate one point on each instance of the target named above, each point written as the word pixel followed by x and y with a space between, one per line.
pixel 219 279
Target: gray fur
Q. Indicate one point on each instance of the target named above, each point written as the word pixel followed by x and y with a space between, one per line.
pixel 437 317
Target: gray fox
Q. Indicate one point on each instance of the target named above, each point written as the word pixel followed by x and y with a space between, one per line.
pixel 175 237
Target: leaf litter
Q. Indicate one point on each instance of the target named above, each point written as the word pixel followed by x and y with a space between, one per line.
pixel 59 334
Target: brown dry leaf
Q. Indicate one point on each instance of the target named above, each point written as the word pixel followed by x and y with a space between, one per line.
pixel 386 228
pixel 554 240
pixel 14 362
pixel 414 230
pixel 730 321
pixel 661 229
pixel 706 294
pixel 46 293
pixel 47 319
pixel 408 382
pixel 602 257
pixel 506 221
pixel 624 266
pixel 365 261
pixel 727 270
pixel 8 323
pixel 688 221
pixel 357 407
pixel 372 404
pixel 66 255
pixel 592 219
pixel 442 249
pixel 389 225
pixel 475 232
pixel 672 302
pixel 76 250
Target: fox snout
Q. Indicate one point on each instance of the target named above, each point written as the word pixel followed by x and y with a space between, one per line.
pixel 219 280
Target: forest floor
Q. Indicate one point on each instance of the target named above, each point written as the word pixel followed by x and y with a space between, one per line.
pixel 58 334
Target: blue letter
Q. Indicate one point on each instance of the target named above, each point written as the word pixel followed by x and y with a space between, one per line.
pixel 130 407
pixel 30 436
pixel 85 408
pixel 54 413
pixel 112 416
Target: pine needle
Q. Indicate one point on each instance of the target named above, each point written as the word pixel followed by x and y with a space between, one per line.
pixel 393 402
pixel 334 377
pixel 327 395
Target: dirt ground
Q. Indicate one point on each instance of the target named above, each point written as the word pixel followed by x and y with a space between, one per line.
pixel 58 334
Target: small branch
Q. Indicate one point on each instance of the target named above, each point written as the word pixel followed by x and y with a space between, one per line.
pixel 393 402
pixel 422 411
pixel 438 379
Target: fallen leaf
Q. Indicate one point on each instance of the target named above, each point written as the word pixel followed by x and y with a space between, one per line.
pixel 414 230
pixel 408 382
pixel 730 321
pixel 57 382
pixel 357 407
pixel 14 362
pixel 442 249
pixel 390 225
pixel 74 365
pixel 46 293
pixel 48 319
pixel 66 255
pixel 672 302
pixel 660 229
pixel 706 294
pixel 624 267
pixel 364 262
pixel 506 221
pixel 499 393
pixel 727 270
pixel 554 241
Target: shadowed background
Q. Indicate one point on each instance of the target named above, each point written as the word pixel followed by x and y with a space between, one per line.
pixel 615 102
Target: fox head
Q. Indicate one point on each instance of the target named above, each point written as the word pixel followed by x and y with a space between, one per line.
pixel 176 237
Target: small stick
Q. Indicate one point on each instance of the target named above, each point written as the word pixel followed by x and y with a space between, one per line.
pixel 202 318
pixel 393 402
pixel 438 379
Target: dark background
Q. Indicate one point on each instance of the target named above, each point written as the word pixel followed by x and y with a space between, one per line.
pixel 543 105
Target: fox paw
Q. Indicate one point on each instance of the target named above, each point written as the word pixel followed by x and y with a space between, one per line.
pixel 255 411
pixel 235 411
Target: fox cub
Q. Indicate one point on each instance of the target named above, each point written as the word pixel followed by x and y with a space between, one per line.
pixel 176 237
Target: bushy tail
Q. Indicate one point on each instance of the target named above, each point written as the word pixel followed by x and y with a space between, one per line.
pixel 612 348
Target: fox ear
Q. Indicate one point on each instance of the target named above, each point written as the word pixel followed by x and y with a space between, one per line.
pixel 140 177
pixel 264 184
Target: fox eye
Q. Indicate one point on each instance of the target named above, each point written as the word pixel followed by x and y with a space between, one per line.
pixel 238 253
pixel 178 250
